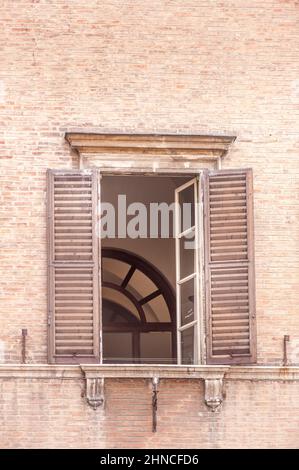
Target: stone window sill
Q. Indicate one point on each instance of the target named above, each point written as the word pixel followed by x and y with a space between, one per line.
pixel 138 371
pixel 95 375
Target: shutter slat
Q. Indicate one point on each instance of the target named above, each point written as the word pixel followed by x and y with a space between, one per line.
pixel 73 249
pixel 224 198
pixel 229 267
pixel 229 242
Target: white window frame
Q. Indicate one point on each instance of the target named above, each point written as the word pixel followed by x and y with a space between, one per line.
pixel 196 176
pixel 198 322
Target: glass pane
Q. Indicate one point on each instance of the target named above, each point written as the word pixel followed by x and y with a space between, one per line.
pixel 186 201
pixel 120 299
pixel 187 290
pixel 114 270
pixel 140 285
pixel 187 345
pixel 155 347
pixel 114 313
pixel 187 255
pixel 156 310
pixel 117 347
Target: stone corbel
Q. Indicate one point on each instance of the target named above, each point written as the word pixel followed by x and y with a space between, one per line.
pixel 94 388
pixel 214 393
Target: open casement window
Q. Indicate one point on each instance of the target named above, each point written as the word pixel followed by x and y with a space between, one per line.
pixel 187 272
pixel 73 267
pixel 229 267
pixel 214 268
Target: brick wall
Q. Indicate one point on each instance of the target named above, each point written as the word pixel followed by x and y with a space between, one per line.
pixel 51 413
pixel 185 67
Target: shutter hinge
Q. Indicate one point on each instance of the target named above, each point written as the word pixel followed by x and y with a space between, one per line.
pixel 49 318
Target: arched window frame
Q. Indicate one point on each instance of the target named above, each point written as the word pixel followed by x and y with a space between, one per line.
pixel 163 288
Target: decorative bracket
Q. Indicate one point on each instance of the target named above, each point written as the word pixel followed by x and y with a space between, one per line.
pixel 214 393
pixel 94 389
pixel 95 392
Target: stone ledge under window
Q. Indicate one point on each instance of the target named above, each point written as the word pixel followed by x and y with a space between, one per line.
pixel 139 371
pixel 95 375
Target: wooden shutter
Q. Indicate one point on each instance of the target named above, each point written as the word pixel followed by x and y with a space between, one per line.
pixel 229 267
pixel 73 317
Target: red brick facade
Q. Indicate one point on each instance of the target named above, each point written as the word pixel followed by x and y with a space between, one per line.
pixel 52 414
pixel 208 67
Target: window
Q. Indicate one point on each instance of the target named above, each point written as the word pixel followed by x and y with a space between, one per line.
pixel 214 280
pixel 188 290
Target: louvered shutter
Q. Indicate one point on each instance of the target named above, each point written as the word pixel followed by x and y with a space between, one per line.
pixel 73 267
pixel 229 267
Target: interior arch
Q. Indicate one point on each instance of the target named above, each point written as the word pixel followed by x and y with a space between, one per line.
pixel 138 310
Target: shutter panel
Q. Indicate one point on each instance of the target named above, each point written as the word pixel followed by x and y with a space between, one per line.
pixel 73 267
pixel 229 267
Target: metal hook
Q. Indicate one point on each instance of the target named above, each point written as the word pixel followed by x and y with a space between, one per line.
pixel 155 384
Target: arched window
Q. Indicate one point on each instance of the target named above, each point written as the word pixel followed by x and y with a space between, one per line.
pixel 138 310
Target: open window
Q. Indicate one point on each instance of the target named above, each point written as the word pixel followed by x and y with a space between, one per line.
pixel 149 293
pixel 187 271
pixel 139 267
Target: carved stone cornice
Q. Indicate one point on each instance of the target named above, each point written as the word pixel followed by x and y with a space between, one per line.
pixel 70 372
pixel 171 144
